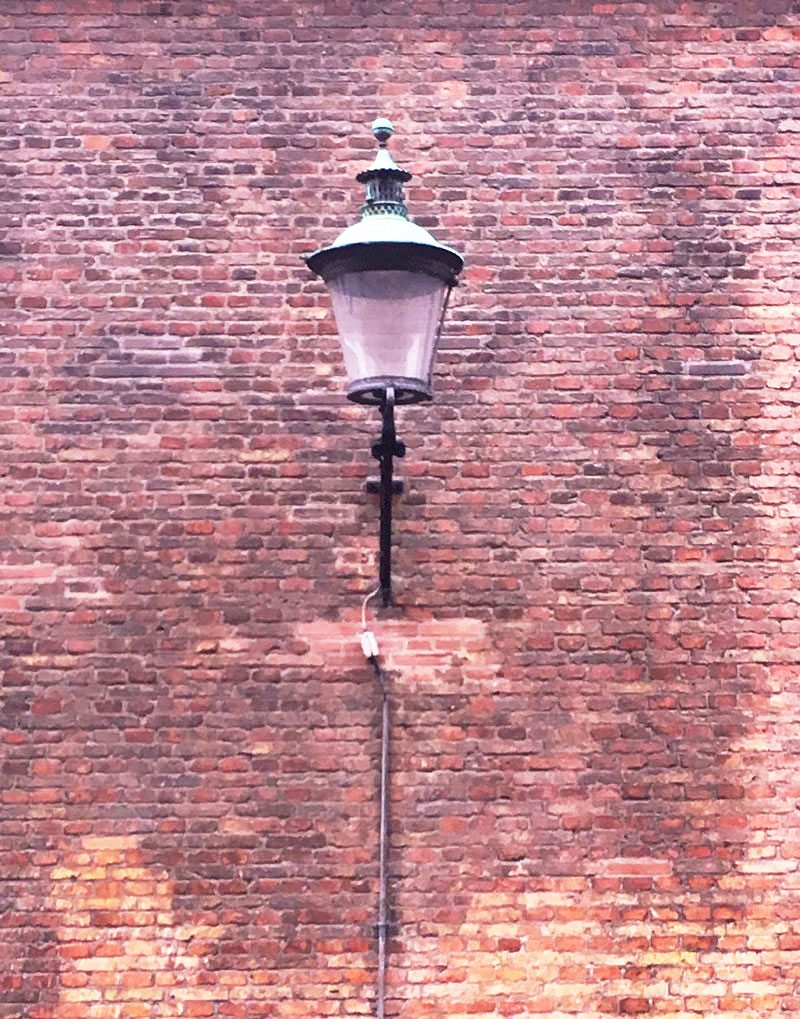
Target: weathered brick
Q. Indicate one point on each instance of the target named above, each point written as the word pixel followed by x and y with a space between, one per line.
pixel 594 652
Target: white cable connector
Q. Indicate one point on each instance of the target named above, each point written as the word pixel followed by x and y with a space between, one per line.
pixel 369 645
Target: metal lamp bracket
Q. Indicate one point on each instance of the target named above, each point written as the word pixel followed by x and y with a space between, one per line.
pixel 372 485
pixel 384 451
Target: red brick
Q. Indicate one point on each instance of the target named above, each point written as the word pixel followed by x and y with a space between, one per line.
pixel 593 653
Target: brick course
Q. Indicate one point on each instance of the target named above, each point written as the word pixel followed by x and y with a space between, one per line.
pixel 594 653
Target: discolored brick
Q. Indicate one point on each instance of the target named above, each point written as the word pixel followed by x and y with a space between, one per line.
pixel 593 655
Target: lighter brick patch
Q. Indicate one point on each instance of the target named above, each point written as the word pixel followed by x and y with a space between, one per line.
pixel 118 941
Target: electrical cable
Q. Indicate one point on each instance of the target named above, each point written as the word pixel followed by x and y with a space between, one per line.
pixel 368 598
pixel 369 645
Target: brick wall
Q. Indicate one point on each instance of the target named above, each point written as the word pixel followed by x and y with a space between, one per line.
pixel 594 655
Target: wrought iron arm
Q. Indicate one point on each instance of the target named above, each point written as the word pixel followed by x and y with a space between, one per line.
pixel 384 450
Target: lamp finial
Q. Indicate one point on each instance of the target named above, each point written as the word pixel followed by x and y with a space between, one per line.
pixel 384 180
pixel 383 129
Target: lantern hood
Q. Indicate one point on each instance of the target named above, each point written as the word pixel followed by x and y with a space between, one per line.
pixel 385 238
pixel 386 241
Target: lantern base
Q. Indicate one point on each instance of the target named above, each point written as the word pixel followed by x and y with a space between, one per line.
pixel 373 391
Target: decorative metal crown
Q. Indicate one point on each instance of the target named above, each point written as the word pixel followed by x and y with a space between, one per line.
pixel 384 180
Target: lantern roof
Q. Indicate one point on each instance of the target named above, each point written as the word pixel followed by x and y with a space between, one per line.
pixel 384 237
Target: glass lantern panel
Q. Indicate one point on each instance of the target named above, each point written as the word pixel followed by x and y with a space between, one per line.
pixel 388 322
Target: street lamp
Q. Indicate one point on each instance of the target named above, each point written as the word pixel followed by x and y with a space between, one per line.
pixel 389 282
